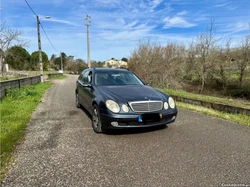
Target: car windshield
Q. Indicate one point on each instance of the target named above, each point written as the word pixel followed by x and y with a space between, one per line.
pixel 116 78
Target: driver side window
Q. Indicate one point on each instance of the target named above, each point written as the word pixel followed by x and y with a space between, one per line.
pixel 90 77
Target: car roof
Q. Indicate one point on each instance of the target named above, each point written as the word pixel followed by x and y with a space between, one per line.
pixel 108 69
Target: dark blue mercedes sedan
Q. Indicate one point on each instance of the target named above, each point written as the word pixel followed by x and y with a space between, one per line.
pixel 117 98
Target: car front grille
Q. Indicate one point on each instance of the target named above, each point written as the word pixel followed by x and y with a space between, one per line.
pixel 146 106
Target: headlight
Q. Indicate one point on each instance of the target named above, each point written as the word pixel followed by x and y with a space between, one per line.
pixel 125 108
pixel 112 106
pixel 165 105
pixel 171 102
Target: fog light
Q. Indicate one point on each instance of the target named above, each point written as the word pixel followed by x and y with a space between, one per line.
pixel 114 123
pixel 125 108
pixel 165 105
pixel 173 118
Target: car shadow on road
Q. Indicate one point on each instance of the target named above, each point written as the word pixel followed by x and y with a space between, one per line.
pixel 135 130
pixel 127 131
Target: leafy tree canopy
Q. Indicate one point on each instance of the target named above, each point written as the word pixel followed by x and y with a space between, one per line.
pixel 18 58
pixel 124 59
pixel 34 60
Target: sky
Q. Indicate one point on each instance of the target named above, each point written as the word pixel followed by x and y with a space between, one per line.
pixel 117 26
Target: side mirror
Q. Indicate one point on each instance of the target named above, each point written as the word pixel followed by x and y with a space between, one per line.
pixel 146 83
pixel 88 85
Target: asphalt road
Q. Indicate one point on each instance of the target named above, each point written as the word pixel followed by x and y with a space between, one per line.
pixel 61 149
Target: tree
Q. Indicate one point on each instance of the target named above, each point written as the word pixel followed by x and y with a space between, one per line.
pixel 95 64
pixel 223 65
pixel 18 58
pixel 190 64
pixel 52 58
pixel 52 62
pixel 61 59
pixel 77 66
pixel 34 61
pixel 159 65
pixel 205 53
pixel 124 59
pixel 8 37
pixel 242 57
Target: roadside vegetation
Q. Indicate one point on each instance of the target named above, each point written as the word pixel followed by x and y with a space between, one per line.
pixel 60 77
pixel 221 100
pixel 16 109
pixel 7 78
pixel 237 118
pixel 206 65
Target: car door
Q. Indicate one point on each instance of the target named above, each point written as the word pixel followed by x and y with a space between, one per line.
pixel 88 91
pixel 81 88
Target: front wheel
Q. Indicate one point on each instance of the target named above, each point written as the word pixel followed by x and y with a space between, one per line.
pixel 77 101
pixel 96 122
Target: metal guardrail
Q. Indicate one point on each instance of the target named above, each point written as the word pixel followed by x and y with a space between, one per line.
pixel 215 106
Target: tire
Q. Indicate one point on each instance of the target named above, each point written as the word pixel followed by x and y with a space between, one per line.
pixel 96 122
pixel 165 126
pixel 78 105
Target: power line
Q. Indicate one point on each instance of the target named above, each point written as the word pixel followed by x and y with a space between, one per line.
pixel 30 8
pixel 41 25
pixel 48 37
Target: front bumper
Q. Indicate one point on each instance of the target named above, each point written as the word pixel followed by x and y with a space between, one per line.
pixel 118 121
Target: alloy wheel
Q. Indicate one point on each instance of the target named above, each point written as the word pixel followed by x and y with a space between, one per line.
pixel 96 123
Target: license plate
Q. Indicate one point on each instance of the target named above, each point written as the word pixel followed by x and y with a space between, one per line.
pixel 149 117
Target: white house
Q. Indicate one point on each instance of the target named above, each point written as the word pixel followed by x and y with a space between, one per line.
pixel 113 63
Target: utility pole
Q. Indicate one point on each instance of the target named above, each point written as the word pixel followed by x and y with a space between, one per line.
pixel 39 48
pixel 61 64
pixel 88 47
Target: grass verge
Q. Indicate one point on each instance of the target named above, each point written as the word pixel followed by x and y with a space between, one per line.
pixel 15 110
pixel 60 77
pixel 238 118
pixel 2 79
pixel 226 101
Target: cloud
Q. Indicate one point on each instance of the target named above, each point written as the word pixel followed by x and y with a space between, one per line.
pixel 220 5
pixel 236 27
pixel 182 13
pixel 232 7
pixel 108 1
pixel 133 33
pixel 62 21
pixel 177 21
pixel 155 3
pixel 132 24
pixel 149 5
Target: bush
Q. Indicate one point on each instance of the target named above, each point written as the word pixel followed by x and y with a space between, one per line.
pixel 22 92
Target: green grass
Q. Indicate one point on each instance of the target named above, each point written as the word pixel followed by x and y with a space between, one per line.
pixel 16 109
pixel 227 101
pixel 7 78
pixel 237 118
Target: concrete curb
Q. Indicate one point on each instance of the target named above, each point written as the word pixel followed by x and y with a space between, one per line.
pixel 216 106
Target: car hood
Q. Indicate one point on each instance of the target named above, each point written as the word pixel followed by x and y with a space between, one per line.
pixel 132 93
